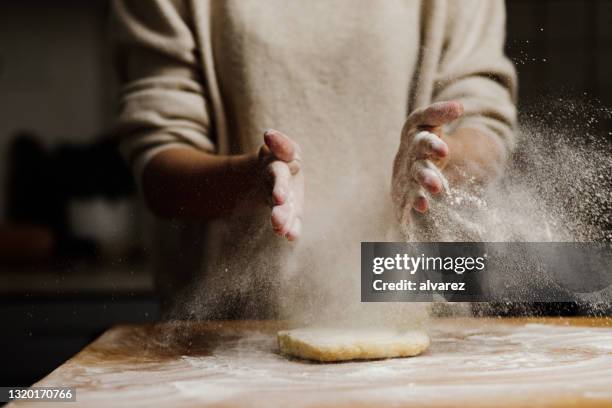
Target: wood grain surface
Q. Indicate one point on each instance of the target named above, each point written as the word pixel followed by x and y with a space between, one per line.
pixel 546 362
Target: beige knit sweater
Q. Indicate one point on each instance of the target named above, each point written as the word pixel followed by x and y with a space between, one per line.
pixel 338 76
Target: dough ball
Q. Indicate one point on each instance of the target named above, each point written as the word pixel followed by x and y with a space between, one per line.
pixel 325 344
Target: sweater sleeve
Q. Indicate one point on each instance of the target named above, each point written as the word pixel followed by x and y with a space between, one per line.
pixel 474 70
pixel 162 100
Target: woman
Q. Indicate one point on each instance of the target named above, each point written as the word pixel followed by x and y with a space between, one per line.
pixel 351 86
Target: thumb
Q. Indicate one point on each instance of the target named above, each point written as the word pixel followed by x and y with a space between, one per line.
pixel 435 115
pixel 281 146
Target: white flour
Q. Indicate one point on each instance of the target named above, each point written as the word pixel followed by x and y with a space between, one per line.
pixel 557 188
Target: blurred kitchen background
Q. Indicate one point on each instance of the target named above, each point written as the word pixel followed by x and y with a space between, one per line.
pixel 73 257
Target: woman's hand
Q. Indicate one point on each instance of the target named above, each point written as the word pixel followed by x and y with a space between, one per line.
pixel 185 183
pixel 280 159
pixel 422 155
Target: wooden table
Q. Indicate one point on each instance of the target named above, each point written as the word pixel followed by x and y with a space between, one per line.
pixel 471 362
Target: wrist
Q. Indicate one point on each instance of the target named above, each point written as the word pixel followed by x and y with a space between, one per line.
pixel 246 172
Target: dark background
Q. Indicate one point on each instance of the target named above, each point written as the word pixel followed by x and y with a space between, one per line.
pixel 72 238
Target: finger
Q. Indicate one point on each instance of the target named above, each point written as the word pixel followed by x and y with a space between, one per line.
pixel 281 146
pixel 418 199
pixel 429 145
pixel 415 200
pixel 281 179
pixel 436 114
pixel 295 166
pixel 429 180
pixel 421 204
pixel 264 151
pixel 281 218
pixel 295 230
pixel 429 176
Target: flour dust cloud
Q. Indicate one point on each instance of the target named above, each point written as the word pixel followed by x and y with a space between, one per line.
pixel 557 187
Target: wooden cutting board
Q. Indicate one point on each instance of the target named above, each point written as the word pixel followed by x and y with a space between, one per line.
pixel 471 362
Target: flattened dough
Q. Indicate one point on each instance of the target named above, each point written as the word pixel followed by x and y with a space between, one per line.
pixel 323 344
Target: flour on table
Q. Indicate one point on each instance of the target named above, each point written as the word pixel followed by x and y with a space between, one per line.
pixel 326 344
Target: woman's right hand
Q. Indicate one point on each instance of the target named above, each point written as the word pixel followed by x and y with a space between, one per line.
pixel 283 177
pixel 421 158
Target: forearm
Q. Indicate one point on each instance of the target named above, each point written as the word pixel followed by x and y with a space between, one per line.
pixel 474 153
pixel 191 184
